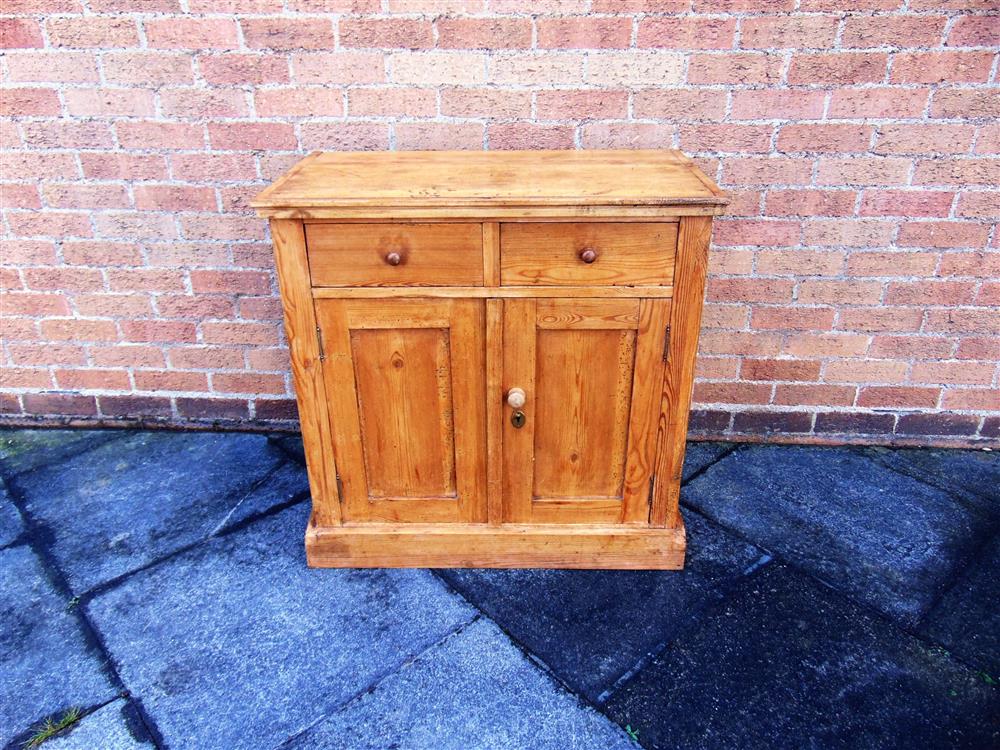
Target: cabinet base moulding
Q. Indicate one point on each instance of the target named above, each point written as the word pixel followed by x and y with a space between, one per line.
pixel 507 546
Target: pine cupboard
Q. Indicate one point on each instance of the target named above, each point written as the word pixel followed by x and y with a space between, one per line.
pixel 493 352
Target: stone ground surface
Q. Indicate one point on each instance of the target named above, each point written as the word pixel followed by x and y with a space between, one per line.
pixel 832 598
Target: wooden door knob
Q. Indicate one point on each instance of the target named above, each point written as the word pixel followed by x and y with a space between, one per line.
pixel 393 259
pixel 515 398
pixel 588 255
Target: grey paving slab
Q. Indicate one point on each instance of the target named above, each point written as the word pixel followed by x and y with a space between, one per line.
pixel 699 454
pixel 787 663
pixel 971 476
pixel 967 618
pixel 592 626
pixel 46 664
pixel 115 726
pixel 24 450
pixel 235 643
pixel 132 501
pixel 881 536
pixel 11 523
pixel 473 690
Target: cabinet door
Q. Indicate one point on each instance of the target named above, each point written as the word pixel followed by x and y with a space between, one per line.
pixel 592 373
pixel 406 395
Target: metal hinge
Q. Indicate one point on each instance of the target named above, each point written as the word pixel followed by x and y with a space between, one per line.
pixel 666 343
pixel 319 341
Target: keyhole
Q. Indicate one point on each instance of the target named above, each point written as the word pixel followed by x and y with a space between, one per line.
pixel 517 419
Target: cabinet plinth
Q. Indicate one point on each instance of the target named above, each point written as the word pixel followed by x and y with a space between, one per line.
pixel 493 352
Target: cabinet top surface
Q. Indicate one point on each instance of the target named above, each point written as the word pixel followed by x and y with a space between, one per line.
pixel 483 179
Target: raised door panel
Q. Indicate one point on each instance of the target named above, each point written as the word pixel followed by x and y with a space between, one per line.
pixel 406 390
pixel 592 372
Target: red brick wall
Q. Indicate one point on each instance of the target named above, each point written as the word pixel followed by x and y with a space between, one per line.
pixel 853 286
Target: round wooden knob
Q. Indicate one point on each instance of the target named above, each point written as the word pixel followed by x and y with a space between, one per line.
pixel 588 255
pixel 515 398
pixel 393 259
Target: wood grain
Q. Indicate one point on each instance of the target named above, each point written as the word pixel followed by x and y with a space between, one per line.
pixel 429 254
pixel 628 254
pixel 536 292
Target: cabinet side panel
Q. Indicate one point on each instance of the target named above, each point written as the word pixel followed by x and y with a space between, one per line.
pixel 685 323
pixel 300 328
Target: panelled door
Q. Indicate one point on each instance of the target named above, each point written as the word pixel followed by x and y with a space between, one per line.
pixel 405 386
pixel 581 447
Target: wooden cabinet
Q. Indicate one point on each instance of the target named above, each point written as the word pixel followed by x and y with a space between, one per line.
pixel 493 352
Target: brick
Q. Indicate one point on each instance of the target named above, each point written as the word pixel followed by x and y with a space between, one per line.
pixel 119 166
pixel 740 343
pixel 549 68
pixel 299 101
pixel 134 6
pixel 882 263
pixel 580 104
pixel 196 307
pixel 989 295
pixel 686 33
pixel 958 320
pixel 270 358
pixel 52 67
pixel 440 68
pixel 862 171
pixel 114 305
pixel 780 369
pixel 865 371
pixel 92 379
pixel 878 102
pixel 708 421
pixel 744 202
pixel 101 254
pixel 640 6
pixel 26 101
pixel 936 424
pixel 147 68
pixel 141 331
pixel 206 358
pixel 981 265
pixel 954 373
pixel 484 33
pixel 792 318
pixel 634 68
pixel 848 232
pixel 826 345
pixel 991 427
pixel 239 333
pixel 216 227
pixel 717 368
pixel 959 172
pixel 134 406
pixel 339 67
pixel 725 316
pixel 680 104
pixel 801 394
pixel 943 234
pixel 251 383
pixel 891 319
pixel 348 136
pixel 212 167
pixel 734 138
pixel 988 139
pixel 839 68
pixel 788 32
pixel 49 224
pixel 20 196
pixel 732 393
pixel 941 67
pixel 731 262
pixel 250 136
pixel 174 198
pixel 809 202
pixel 96 31
pixel 771 421
pixel 911 347
pixel 20 33
pixel 966 103
pixel 236 68
pixel 125 225
pixel 529 136
pixel 386 102
pixel 766 104
pixel 892 31
pixel 78 329
pixel 771 170
pixel 750 290
pixel 68 195
pixel 260 308
pixel 45 355
pixel 287 33
pixel 212 408
pixel 629 135
pixel 146 280
pixel 897 396
pixel 276 409
pixel 67 134
pixel 833 138
pixel 170 380
pixel 485 103
pixel 972 399
pixel 149 134
pixel 767 233
pixel 439 136
pixel 973 31
pixel 198 104
pixel 800 262
pixel 106 102
pixel 910 203
pixel 740 69
pixel 61 404
pixel 29 303
pixel 29 252
pixel 584 32
pixel 191 33
pixel 854 423
pixel 236 6
pixel 24 377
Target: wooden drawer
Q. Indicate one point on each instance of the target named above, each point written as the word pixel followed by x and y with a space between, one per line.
pixel 395 254
pixel 598 253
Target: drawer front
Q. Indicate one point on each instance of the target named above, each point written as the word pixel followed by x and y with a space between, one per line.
pixel 395 254
pixel 579 253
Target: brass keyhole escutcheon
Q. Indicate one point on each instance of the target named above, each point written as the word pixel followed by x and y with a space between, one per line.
pixel 517 419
